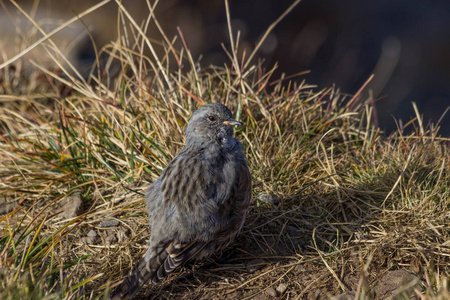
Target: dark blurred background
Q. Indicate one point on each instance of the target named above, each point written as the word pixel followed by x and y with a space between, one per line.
pixel 405 43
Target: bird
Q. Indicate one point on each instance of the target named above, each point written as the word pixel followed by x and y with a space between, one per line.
pixel 199 203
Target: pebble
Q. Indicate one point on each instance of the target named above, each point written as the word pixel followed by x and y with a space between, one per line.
pixel 269 198
pixel 72 206
pixel 111 237
pixel 282 287
pixel 271 292
pixel 90 238
pixel 110 222
pixel 6 207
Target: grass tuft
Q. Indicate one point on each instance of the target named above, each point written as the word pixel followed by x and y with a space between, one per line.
pixel 337 206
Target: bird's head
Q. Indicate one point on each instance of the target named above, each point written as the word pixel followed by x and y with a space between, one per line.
pixel 211 123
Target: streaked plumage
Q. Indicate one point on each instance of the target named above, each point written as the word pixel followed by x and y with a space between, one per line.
pixel 198 204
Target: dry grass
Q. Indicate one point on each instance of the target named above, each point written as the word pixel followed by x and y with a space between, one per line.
pixel 350 205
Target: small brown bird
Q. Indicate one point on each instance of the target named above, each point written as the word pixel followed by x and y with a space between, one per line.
pixel 199 203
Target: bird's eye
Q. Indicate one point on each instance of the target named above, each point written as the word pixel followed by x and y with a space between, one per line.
pixel 212 118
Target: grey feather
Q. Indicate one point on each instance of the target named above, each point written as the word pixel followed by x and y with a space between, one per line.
pixel 199 203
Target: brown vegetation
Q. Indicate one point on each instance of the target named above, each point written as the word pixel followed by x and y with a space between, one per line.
pixel 338 209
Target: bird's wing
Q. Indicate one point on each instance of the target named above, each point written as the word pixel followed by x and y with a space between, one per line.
pixel 235 209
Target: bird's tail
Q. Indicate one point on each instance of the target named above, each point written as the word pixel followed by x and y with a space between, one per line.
pixel 167 259
pixel 142 273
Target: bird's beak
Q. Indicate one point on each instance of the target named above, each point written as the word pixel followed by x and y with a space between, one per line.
pixel 231 122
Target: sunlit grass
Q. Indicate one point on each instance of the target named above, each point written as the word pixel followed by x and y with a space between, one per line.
pixel 351 200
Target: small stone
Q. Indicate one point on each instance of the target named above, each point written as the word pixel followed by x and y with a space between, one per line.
pixel 110 222
pixel 111 238
pixel 72 206
pixel 271 292
pixel 300 267
pixel 282 287
pixel 393 282
pixel 269 198
pixel 6 207
pixel 255 265
pixel 90 238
